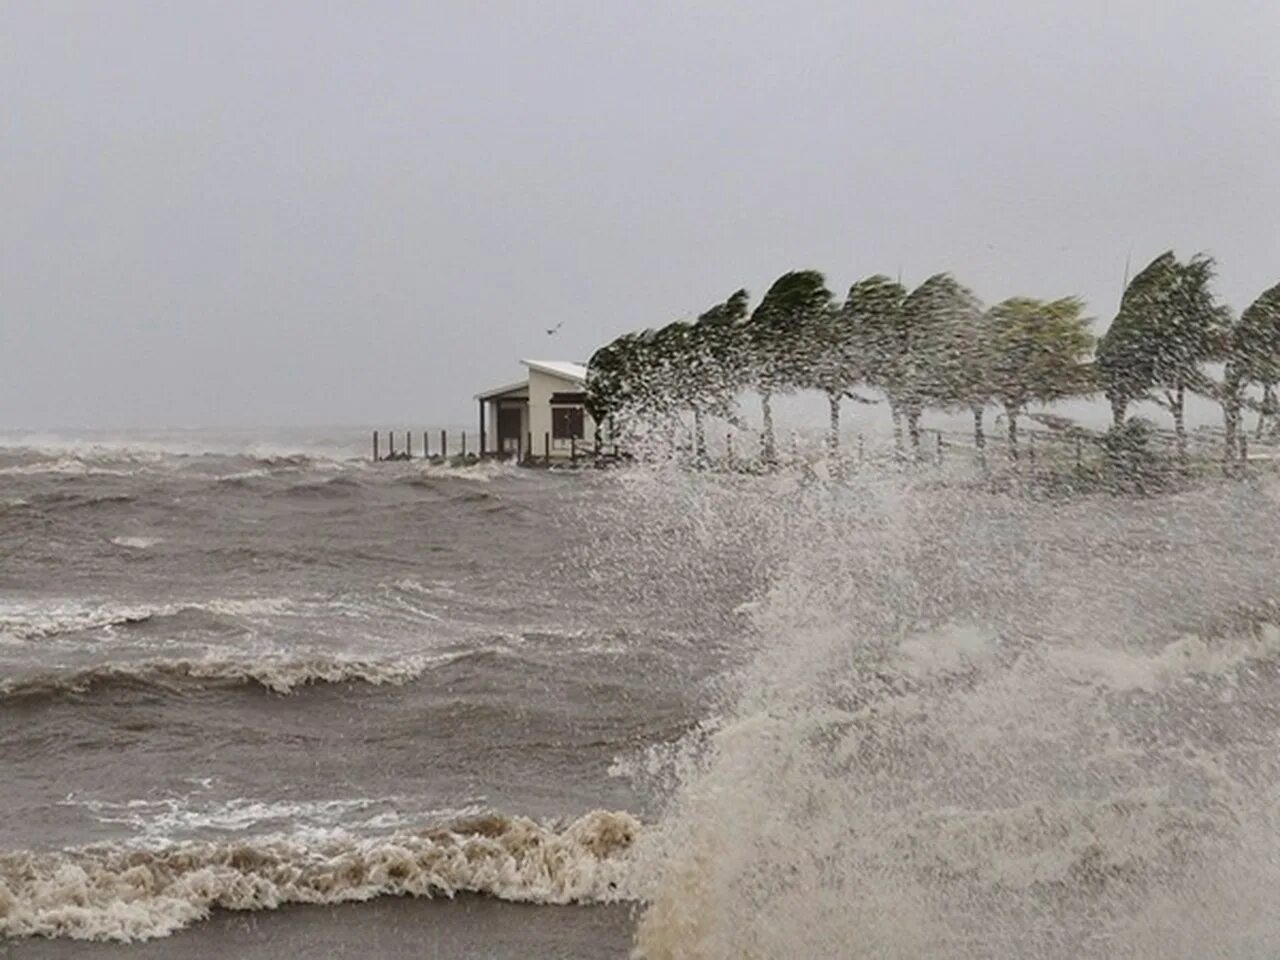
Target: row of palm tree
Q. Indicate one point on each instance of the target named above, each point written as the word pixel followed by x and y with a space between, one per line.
pixel 939 347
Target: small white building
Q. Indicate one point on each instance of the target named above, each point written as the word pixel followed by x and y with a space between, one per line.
pixel 543 415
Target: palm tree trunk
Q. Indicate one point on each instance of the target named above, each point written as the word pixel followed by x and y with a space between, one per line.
pixel 1268 408
pixel 1011 414
pixel 768 449
pixel 1231 425
pixel 1118 409
pixel 1177 406
pixel 833 436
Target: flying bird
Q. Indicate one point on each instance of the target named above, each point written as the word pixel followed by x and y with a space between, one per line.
pixel 554 330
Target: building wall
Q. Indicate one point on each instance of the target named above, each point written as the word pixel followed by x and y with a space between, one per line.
pixel 541 387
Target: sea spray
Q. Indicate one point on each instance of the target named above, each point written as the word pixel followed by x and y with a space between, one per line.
pixel 968 725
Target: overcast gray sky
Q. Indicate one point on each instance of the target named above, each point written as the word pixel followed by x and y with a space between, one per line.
pixel 224 213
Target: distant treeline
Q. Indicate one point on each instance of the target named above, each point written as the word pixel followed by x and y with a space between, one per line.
pixel 938 346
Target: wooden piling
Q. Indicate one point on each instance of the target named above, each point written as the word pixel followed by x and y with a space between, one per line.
pixel 408 444
pixel 391 444
pixel 426 447
pixel 444 445
pixel 464 444
pixel 375 446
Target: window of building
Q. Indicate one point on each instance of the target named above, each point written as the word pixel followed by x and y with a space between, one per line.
pixel 566 423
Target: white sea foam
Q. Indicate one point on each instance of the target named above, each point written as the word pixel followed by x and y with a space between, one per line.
pixel 131 892
pixel 34 619
pixel 136 543
pixel 171 818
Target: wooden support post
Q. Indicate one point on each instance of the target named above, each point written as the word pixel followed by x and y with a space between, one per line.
pixel 391 442
pixel 408 444
pixel 482 444
pixel 528 450
pixel 444 444
pixel 464 444
pixel 573 449
pixel 426 447
pixel 375 446
pixel 546 447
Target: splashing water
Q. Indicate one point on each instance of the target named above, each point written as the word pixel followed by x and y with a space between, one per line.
pixel 967 725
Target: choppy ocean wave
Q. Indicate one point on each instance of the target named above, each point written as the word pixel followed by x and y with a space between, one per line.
pixel 35 620
pixel 133 892
pixel 279 673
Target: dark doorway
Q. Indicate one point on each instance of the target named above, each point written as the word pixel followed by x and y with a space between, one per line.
pixel 509 424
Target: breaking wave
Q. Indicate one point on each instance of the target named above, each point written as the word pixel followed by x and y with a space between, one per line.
pixel 130 892
pixel 279 673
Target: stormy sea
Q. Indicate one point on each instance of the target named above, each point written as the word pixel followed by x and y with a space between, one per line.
pixel 261 697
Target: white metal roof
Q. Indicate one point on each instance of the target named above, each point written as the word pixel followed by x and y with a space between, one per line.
pixel 518 386
pixel 565 369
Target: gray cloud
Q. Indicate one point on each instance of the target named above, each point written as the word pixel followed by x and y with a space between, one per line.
pixel 235 213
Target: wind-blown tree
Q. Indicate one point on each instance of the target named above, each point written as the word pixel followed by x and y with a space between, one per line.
pixel 936 316
pixel 873 313
pixel 615 380
pixel 830 361
pixel 1250 350
pixel 775 340
pixel 961 351
pixel 723 368
pixel 1040 354
pixel 1168 326
pixel 1125 359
